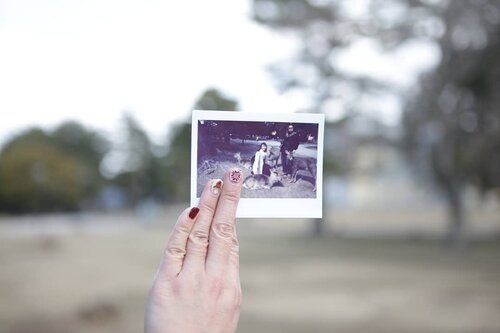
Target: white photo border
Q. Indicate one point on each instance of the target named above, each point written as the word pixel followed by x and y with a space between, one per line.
pixel 268 207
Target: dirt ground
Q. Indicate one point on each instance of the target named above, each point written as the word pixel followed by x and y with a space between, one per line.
pixel 225 160
pixel 75 274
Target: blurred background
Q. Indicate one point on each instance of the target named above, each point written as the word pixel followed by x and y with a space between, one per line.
pixel 95 99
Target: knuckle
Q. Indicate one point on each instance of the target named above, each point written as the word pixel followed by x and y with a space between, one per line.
pixel 182 228
pixel 175 251
pixel 224 230
pixel 199 237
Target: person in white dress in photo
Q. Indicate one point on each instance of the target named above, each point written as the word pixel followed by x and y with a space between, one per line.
pixel 260 160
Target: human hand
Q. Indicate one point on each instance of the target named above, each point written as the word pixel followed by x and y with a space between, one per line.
pixel 197 286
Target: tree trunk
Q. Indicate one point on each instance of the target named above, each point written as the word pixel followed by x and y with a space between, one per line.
pixel 456 222
pixel 318 227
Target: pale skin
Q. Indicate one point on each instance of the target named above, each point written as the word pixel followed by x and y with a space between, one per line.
pixel 197 286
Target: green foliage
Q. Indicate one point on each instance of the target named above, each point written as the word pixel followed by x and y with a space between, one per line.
pixel 58 170
pixel 37 176
pixel 73 137
pixel 88 147
pixel 178 162
pixel 212 99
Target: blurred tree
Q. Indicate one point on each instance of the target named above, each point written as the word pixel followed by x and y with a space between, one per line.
pixel 178 162
pixel 142 173
pixel 37 176
pixel 337 158
pixel 212 99
pixel 325 28
pixel 88 146
pixel 452 121
pixel 178 157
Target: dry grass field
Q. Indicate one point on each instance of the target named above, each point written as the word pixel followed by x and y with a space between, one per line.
pixel 76 274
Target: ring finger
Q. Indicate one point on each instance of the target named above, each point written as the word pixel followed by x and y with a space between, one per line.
pixel 197 245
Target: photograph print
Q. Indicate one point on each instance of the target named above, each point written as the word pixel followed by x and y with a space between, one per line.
pixel 279 156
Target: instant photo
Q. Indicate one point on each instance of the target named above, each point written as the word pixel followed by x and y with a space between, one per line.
pixel 281 156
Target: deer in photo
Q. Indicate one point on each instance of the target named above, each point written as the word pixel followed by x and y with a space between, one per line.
pixel 272 159
pixel 302 163
pixel 245 163
pixel 260 181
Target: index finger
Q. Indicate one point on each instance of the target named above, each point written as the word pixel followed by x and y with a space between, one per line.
pixel 222 231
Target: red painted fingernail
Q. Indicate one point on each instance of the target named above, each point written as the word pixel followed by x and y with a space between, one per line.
pixel 235 176
pixel 193 212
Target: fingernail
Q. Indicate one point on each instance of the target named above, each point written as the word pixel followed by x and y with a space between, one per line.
pixel 216 186
pixel 193 212
pixel 235 175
